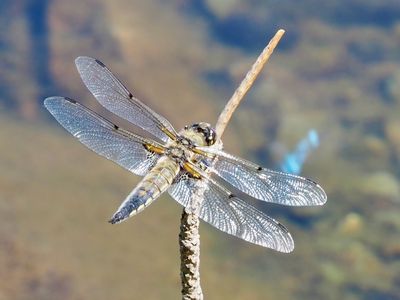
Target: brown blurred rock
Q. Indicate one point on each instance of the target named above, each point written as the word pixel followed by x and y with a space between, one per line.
pixel 392 132
pixel 222 8
pixel 392 250
pixel 381 185
pixel 351 224
pixel 376 147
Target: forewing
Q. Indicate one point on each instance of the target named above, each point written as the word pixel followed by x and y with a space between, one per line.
pixel 264 184
pixel 115 97
pixel 232 215
pixel 102 136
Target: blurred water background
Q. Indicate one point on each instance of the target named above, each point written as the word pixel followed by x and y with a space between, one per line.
pixel 337 70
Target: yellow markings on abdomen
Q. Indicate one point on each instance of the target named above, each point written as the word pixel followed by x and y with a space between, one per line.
pixel 152 185
pixel 156 181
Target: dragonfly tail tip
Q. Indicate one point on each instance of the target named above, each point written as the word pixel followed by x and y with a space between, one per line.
pixel 115 219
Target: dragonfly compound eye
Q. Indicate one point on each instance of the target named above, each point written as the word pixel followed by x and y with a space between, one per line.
pixel 207 131
pixel 212 137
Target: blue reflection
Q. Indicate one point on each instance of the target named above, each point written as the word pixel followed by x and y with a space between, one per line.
pixel 293 161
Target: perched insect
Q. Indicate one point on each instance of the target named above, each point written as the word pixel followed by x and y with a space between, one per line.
pixel 189 163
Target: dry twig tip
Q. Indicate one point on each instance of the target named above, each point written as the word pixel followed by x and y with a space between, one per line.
pixel 246 83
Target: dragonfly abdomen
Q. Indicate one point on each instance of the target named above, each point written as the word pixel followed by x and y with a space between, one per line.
pixel 152 185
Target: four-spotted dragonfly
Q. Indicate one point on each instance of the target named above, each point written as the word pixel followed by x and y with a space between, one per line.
pixel 189 164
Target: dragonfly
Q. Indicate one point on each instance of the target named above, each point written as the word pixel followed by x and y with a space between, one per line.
pixel 293 161
pixel 188 164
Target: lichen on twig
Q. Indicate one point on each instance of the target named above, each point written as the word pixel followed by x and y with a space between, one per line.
pixel 189 238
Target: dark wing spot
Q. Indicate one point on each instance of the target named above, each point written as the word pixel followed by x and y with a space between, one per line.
pixel 231 196
pixel 282 227
pixel 116 127
pixel 100 63
pixel 70 100
pixel 312 181
pixel 259 168
pixel 130 96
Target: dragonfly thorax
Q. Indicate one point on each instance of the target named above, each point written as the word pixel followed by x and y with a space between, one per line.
pixel 177 152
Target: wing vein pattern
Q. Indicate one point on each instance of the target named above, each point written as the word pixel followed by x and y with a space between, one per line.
pixel 232 215
pixel 102 136
pixel 115 97
pixel 264 184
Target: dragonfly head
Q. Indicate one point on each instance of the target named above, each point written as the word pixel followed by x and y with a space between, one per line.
pixel 201 134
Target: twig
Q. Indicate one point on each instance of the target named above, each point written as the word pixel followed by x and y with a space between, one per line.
pixel 189 238
pixel 189 246
pixel 246 83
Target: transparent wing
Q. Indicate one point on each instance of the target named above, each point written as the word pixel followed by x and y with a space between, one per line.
pixel 231 214
pixel 102 136
pixel 115 97
pixel 264 184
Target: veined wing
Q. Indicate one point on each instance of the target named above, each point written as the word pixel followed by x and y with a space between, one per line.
pixel 264 184
pixel 100 135
pixel 230 214
pixel 115 97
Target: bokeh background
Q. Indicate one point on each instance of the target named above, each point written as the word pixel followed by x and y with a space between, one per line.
pixel 337 70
